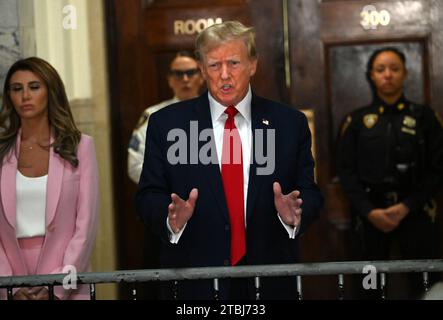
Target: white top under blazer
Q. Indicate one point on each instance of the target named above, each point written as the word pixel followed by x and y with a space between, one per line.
pixel 31 205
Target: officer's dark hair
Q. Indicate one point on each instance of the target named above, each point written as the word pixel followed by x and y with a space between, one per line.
pixel 183 53
pixel 372 58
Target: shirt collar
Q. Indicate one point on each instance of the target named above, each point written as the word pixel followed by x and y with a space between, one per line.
pixel 243 107
pixel 380 102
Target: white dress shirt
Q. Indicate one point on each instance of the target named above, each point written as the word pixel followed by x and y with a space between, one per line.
pixel 243 123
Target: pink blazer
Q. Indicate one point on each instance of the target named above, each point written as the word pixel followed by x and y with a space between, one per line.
pixel 71 217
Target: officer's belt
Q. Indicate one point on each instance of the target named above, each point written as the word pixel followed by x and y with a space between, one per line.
pixel 384 196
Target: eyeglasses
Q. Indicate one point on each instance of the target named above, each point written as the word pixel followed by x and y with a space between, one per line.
pixel 180 74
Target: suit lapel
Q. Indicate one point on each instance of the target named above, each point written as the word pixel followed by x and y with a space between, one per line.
pixel 53 189
pixel 8 182
pixel 9 195
pixel 211 171
pixel 259 120
pixel 8 186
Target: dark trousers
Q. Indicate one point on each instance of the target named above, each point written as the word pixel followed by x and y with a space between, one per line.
pixel 415 238
pixel 239 287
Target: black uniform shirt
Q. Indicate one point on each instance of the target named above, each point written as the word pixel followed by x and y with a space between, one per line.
pixel 387 148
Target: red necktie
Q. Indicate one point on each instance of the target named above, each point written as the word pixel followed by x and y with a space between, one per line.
pixel 232 176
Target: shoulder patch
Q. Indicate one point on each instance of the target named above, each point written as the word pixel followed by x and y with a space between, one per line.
pixel 134 143
pixel 346 125
pixel 142 120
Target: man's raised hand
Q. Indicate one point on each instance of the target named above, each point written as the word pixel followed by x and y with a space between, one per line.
pixel 288 206
pixel 180 211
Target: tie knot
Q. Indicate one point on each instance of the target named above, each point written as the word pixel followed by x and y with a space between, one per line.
pixel 231 111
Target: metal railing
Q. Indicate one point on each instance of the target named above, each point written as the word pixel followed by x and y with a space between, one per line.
pixel 298 270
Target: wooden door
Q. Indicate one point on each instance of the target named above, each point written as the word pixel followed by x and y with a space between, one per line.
pixel 330 42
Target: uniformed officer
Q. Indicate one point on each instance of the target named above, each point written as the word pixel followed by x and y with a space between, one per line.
pixel 185 80
pixel 390 165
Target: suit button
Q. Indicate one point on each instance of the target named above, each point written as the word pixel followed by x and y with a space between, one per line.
pixel 226 262
pixel 226 227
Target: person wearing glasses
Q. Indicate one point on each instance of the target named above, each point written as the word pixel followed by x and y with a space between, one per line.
pixel 185 80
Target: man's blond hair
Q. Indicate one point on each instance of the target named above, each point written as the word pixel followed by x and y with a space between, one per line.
pixel 217 34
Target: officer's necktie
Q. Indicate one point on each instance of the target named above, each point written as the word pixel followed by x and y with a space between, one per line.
pixel 232 176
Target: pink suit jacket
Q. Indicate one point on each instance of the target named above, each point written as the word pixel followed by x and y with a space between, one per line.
pixel 71 217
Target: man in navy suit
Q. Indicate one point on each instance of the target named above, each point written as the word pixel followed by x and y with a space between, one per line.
pixel 227 177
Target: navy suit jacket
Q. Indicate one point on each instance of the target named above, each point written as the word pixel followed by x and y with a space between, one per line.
pixel 206 238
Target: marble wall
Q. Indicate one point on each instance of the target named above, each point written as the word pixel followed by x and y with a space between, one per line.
pixel 9 37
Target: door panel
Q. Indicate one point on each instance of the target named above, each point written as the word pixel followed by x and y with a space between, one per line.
pixel 347 82
pixel 177 27
pixel 345 20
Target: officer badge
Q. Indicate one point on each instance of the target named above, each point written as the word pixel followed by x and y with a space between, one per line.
pixel 370 120
pixel 409 122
